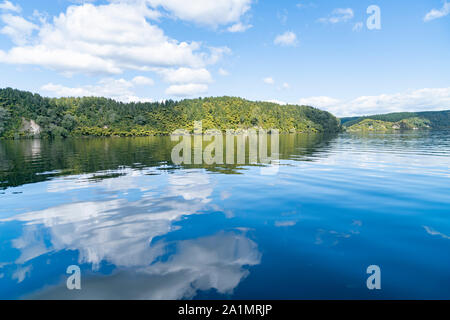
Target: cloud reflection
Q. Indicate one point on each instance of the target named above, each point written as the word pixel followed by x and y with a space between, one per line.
pixel 215 262
pixel 127 234
pixel 433 232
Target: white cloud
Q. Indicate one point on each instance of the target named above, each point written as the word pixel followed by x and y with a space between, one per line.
pixel 223 72
pixel 436 14
pixel 282 103
pixel 269 80
pixel 428 99
pixel 186 90
pixel 119 36
pixel 108 39
pixel 239 27
pixel 216 53
pixel 205 12
pixel 8 6
pixel 17 28
pixel 320 102
pixel 286 85
pixel 185 75
pixel 143 81
pixel 288 38
pixel 339 15
pixel 117 89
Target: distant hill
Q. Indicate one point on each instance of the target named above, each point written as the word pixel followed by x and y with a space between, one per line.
pixel 24 114
pixel 430 120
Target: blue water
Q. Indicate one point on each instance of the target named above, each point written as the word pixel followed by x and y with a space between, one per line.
pixel 140 227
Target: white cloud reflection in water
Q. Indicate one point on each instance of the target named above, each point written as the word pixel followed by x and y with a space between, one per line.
pixel 214 262
pixel 122 233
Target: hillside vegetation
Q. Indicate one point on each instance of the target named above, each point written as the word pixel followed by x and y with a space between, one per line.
pixel 64 117
pixel 435 120
pixel 385 126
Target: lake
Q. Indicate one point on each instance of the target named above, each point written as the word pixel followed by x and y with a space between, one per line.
pixel 141 227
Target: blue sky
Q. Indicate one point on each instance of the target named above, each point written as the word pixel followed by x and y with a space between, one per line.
pixel 315 52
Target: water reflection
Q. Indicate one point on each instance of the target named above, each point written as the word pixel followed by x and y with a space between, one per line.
pixel 215 262
pixel 129 235
pixel 117 231
pixel 29 161
pixel 142 228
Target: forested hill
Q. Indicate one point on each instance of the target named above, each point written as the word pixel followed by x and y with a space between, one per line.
pixel 435 120
pixel 24 114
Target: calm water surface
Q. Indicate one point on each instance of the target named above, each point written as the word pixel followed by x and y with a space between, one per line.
pixel 140 227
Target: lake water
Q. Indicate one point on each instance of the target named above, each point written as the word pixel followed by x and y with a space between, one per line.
pixel 140 227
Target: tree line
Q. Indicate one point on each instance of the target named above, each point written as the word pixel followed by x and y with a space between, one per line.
pixel 96 116
pixel 437 120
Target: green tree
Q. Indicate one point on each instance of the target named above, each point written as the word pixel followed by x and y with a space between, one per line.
pixel 69 122
pixel 4 118
pixel 105 117
pixel 140 120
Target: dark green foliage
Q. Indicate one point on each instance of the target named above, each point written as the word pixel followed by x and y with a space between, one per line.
pixel 370 125
pixel 140 120
pixel 92 116
pixel 4 119
pixel 349 121
pixel 69 122
pixel 438 119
